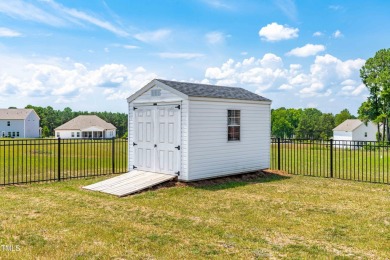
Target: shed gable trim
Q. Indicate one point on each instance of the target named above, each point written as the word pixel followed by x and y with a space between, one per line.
pixel 152 84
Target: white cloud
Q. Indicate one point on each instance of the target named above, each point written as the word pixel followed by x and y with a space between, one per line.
pixel 6 32
pixel 27 11
pixel 285 87
pixel 288 7
pixel 218 4
pixel 318 34
pixel 261 73
pixel 337 34
pixel 180 55
pixel 130 47
pixel 54 14
pixel 215 37
pixel 153 36
pixel 82 16
pixel 113 81
pixel 276 32
pixel 326 76
pixel 307 50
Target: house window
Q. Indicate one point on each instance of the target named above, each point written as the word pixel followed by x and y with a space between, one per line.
pixel 365 134
pixel 72 134
pixel 58 135
pixel 9 134
pixel 234 118
pixel 17 134
pixel 13 134
pixel 78 134
pixel 8 123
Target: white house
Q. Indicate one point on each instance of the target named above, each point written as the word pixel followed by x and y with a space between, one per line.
pixel 354 130
pixel 19 123
pixel 86 126
pixel 198 131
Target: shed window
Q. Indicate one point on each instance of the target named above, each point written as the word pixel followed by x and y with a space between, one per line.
pixel 365 134
pixel 234 118
pixel 78 134
pixel 156 92
pixel 72 134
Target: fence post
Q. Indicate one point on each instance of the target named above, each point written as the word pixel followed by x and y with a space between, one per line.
pixel 278 153
pixel 59 159
pixel 331 158
pixel 113 154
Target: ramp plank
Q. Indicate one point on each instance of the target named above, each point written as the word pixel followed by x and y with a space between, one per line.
pixel 129 183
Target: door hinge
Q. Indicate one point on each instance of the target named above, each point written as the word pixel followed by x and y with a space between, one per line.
pixel 178 106
pixel 134 167
pixel 134 144
pixel 178 173
pixel 178 147
pixel 134 108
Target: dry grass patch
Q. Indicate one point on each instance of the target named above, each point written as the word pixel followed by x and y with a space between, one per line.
pixel 273 216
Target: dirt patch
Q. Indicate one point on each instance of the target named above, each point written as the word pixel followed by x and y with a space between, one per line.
pixel 246 177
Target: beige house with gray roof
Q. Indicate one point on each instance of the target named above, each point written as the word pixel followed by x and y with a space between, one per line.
pixel 86 126
pixel 19 123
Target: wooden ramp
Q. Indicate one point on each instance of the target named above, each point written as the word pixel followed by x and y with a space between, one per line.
pixel 129 183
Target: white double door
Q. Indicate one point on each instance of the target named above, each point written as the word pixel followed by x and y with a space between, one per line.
pixel 157 138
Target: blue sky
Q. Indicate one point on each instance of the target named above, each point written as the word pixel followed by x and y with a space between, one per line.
pixel 90 55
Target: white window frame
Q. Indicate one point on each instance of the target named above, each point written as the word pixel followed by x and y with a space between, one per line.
pixel 232 123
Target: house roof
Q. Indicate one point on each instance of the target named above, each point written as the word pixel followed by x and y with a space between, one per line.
pixel 348 125
pixel 212 91
pixel 86 121
pixel 15 113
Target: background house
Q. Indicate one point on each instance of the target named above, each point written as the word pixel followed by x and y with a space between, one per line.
pixel 19 123
pixel 198 131
pixel 355 130
pixel 86 126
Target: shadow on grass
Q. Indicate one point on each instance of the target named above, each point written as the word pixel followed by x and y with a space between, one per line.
pixel 237 181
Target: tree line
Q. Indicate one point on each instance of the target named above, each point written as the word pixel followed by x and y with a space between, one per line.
pixel 51 119
pixel 308 123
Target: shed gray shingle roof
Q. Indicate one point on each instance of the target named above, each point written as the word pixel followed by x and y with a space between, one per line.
pixel 348 125
pixel 14 113
pixel 85 121
pixel 212 91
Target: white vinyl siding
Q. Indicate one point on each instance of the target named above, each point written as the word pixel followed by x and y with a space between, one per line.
pixel 211 155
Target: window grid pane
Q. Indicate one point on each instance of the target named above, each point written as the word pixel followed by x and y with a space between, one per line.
pixel 234 125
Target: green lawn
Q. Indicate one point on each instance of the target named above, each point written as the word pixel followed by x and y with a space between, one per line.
pixel 273 217
pixel 363 164
pixel 27 160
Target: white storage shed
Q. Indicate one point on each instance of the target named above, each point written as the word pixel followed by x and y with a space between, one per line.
pixel 198 131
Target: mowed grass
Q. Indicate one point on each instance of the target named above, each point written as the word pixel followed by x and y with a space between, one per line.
pixel 370 164
pixel 273 217
pixel 29 160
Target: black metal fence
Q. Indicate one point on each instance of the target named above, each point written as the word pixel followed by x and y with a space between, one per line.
pixel 37 160
pixel 350 160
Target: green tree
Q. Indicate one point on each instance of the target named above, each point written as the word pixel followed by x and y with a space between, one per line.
pixel 284 122
pixel 342 116
pixel 308 126
pixel 375 74
pixel 326 125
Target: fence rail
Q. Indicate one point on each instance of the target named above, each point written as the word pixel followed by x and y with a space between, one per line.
pixel 350 160
pixel 37 160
